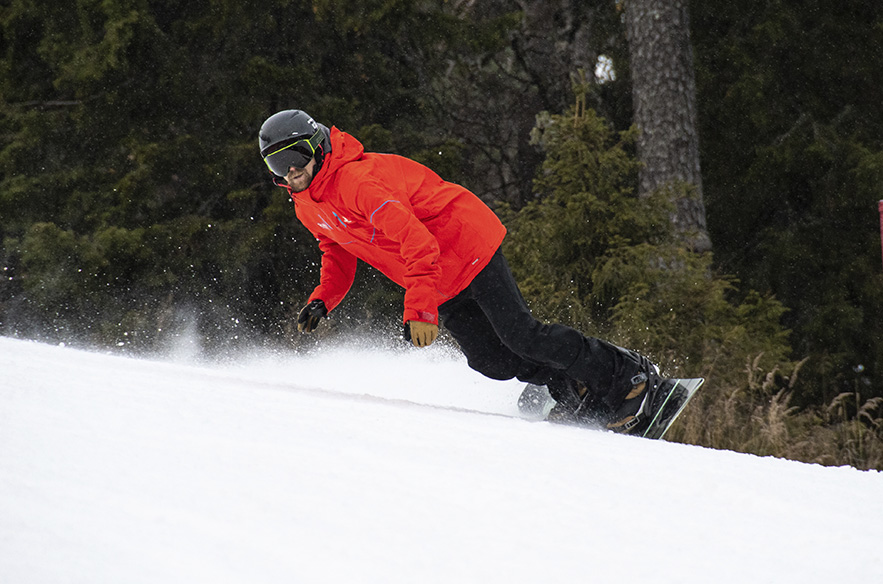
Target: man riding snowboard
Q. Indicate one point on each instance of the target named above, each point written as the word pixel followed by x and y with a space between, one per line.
pixel 441 243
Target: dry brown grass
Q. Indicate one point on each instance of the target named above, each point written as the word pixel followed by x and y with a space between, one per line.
pixel 756 417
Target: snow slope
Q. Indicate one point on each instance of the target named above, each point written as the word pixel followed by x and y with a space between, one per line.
pixel 358 465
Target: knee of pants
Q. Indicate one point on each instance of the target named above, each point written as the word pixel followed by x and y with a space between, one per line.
pixel 553 344
pixel 498 367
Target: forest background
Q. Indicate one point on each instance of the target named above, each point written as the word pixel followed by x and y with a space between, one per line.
pixel 134 205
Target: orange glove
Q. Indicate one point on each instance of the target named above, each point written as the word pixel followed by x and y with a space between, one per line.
pixel 422 333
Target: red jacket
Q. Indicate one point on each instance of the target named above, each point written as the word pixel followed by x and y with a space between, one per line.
pixel 429 236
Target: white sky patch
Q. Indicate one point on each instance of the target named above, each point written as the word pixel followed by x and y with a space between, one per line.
pixel 604 70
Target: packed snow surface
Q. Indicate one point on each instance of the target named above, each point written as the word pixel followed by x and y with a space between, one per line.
pixel 366 465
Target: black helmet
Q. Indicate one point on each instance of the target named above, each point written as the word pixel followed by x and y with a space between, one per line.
pixel 292 138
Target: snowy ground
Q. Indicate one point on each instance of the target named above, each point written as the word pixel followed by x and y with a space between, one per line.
pixel 359 466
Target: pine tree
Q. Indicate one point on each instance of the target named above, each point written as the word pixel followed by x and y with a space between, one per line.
pixel 592 253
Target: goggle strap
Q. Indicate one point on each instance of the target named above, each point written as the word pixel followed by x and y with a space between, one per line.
pixel 313 141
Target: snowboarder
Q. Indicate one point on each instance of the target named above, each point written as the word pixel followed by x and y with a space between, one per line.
pixel 441 243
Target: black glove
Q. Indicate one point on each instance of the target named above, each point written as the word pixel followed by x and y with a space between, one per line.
pixel 310 315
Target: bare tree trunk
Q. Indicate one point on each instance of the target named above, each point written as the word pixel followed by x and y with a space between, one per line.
pixel 664 97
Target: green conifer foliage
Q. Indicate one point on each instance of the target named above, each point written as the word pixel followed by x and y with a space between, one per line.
pixel 131 189
pixel 791 115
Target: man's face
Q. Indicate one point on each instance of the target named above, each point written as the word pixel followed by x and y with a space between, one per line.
pixel 299 179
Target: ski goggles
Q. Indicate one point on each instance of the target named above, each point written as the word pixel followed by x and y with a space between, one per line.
pixel 296 152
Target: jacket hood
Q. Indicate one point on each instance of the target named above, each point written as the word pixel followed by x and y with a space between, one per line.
pixel 344 149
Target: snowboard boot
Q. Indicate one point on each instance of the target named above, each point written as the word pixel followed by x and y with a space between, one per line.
pixel 575 404
pixel 633 412
pixel 568 395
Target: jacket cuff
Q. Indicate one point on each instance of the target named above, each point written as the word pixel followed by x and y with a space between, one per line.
pixel 420 315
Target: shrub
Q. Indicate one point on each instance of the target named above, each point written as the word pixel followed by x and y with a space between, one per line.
pixel 592 254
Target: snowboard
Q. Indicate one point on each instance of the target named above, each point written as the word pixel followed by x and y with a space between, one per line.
pixel 673 396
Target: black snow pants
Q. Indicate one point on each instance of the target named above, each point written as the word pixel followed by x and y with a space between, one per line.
pixel 501 339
